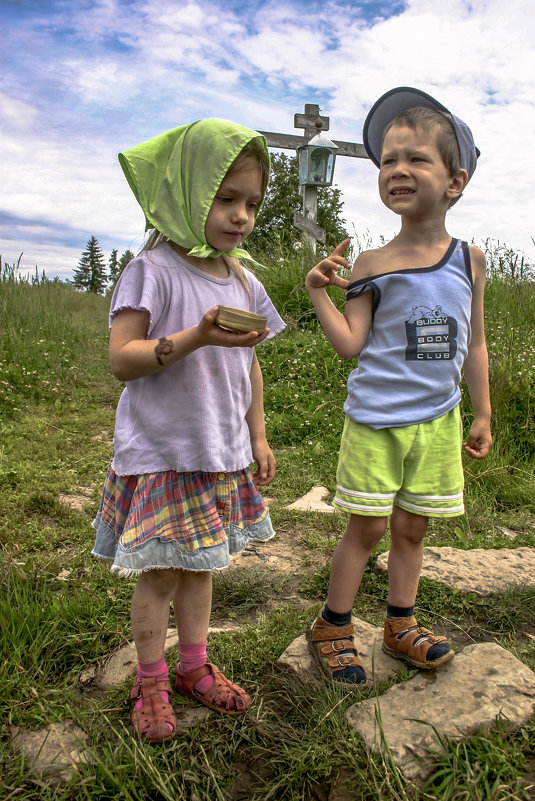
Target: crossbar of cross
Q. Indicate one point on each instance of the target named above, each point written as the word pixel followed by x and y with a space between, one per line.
pixel 312 122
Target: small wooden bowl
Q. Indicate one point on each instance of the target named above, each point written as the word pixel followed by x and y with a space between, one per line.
pixel 240 320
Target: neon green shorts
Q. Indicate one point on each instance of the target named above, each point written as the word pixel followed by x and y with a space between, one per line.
pixel 416 467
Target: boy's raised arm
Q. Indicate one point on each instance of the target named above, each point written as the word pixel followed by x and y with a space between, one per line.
pixel 346 332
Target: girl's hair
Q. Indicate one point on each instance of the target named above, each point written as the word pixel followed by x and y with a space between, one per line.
pixel 253 149
pixel 428 119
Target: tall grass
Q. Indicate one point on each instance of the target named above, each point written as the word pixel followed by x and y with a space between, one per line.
pixel 60 610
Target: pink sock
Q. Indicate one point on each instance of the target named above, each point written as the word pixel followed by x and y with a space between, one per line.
pixel 153 670
pixel 191 657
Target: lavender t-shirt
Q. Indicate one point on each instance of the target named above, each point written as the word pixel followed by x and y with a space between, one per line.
pixel 191 415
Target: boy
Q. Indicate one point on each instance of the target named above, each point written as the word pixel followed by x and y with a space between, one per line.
pixel 414 317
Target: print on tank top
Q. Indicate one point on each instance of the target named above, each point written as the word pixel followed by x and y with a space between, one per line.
pixel 431 334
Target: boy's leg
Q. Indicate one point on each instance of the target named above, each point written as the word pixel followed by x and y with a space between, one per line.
pixel 195 676
pixel 350 559
pixel 331 636
pixel 403 638
pixel 407 533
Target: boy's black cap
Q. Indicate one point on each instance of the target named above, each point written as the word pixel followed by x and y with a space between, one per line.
pixel 404 97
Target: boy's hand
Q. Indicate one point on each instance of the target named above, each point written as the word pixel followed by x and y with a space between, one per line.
pixel 326 272
pixel 479 440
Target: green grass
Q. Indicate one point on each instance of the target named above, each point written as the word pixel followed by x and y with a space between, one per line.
pixel 61 611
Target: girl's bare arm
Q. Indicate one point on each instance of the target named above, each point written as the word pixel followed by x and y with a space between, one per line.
pixel 262 453
pixel 133 356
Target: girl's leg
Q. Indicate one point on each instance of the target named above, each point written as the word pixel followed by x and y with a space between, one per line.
pixel 153 716
pixel 150 612
pixel 194 677
pixel 192 601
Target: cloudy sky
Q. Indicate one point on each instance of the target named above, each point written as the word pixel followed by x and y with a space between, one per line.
pixel 83 79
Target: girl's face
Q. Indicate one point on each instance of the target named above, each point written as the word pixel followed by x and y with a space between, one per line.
pixel 232 214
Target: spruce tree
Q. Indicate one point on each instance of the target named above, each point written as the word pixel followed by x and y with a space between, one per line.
pixel 113 268
pixel 91 271
pixel 125 259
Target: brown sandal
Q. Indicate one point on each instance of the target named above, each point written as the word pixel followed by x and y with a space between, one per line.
pixel 405 639
pixel 326 642
pixel 219 696
pixel 155 720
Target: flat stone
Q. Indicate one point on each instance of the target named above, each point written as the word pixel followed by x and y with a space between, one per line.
pixel 77 502
pixel 480 683
pixel 481 571
pixel 52 753
pixel 368 638
pixel 313 501
pixel 507 532
pixel 187 716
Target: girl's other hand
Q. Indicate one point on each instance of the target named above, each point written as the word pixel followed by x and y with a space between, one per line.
pixel 265 463
pixel 212 334
pixel 326 272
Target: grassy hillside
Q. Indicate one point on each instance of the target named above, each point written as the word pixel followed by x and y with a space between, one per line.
pixel 60 611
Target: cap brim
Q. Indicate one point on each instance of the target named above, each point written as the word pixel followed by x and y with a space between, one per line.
pixel 385 109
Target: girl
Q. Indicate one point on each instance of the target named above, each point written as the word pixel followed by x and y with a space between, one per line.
pixel 179 496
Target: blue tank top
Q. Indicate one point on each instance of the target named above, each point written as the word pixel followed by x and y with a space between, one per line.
pixel 409 370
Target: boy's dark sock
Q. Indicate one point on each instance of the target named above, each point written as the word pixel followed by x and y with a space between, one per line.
pixel 351 673
pixel 336 618
pixel 399 611
pixel 436 651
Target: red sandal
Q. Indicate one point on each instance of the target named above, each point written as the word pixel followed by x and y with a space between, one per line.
pixel 219 696
pixel 154 720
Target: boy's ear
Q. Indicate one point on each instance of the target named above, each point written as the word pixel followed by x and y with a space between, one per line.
pixel 457 184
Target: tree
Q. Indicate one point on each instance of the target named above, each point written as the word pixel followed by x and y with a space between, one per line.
pixel 125 259
pixel 274 229
pixel 91 271
pixel 113 268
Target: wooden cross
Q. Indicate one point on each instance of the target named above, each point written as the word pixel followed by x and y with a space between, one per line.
pixel 313 123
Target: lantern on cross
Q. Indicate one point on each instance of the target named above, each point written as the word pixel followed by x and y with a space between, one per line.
pixel 316 160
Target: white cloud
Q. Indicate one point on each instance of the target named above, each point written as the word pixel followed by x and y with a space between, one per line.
pixel 90 79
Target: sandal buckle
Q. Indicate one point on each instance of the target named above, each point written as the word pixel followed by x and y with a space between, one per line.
pixel 341 644
pixel 346 660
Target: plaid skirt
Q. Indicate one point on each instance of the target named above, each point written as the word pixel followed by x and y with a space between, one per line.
pixel 192 521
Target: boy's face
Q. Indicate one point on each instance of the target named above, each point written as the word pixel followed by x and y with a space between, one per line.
pixel 413 179
pixel 232 214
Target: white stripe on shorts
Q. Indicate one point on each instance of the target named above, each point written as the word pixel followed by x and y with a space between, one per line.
pixel 433 510
pixel 360 507
pixel 432 498
pixel 376 496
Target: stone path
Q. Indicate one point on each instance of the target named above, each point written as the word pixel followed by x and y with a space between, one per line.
pixel 313 501
pixel 483 681
pixel 481 571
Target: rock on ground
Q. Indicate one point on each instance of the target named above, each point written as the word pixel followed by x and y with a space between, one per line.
pixel 482 682
pixel 53 753
pixel 313 501
pixel 368 638
pixel 481 571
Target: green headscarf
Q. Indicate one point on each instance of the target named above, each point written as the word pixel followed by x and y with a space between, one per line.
pixel 175 177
